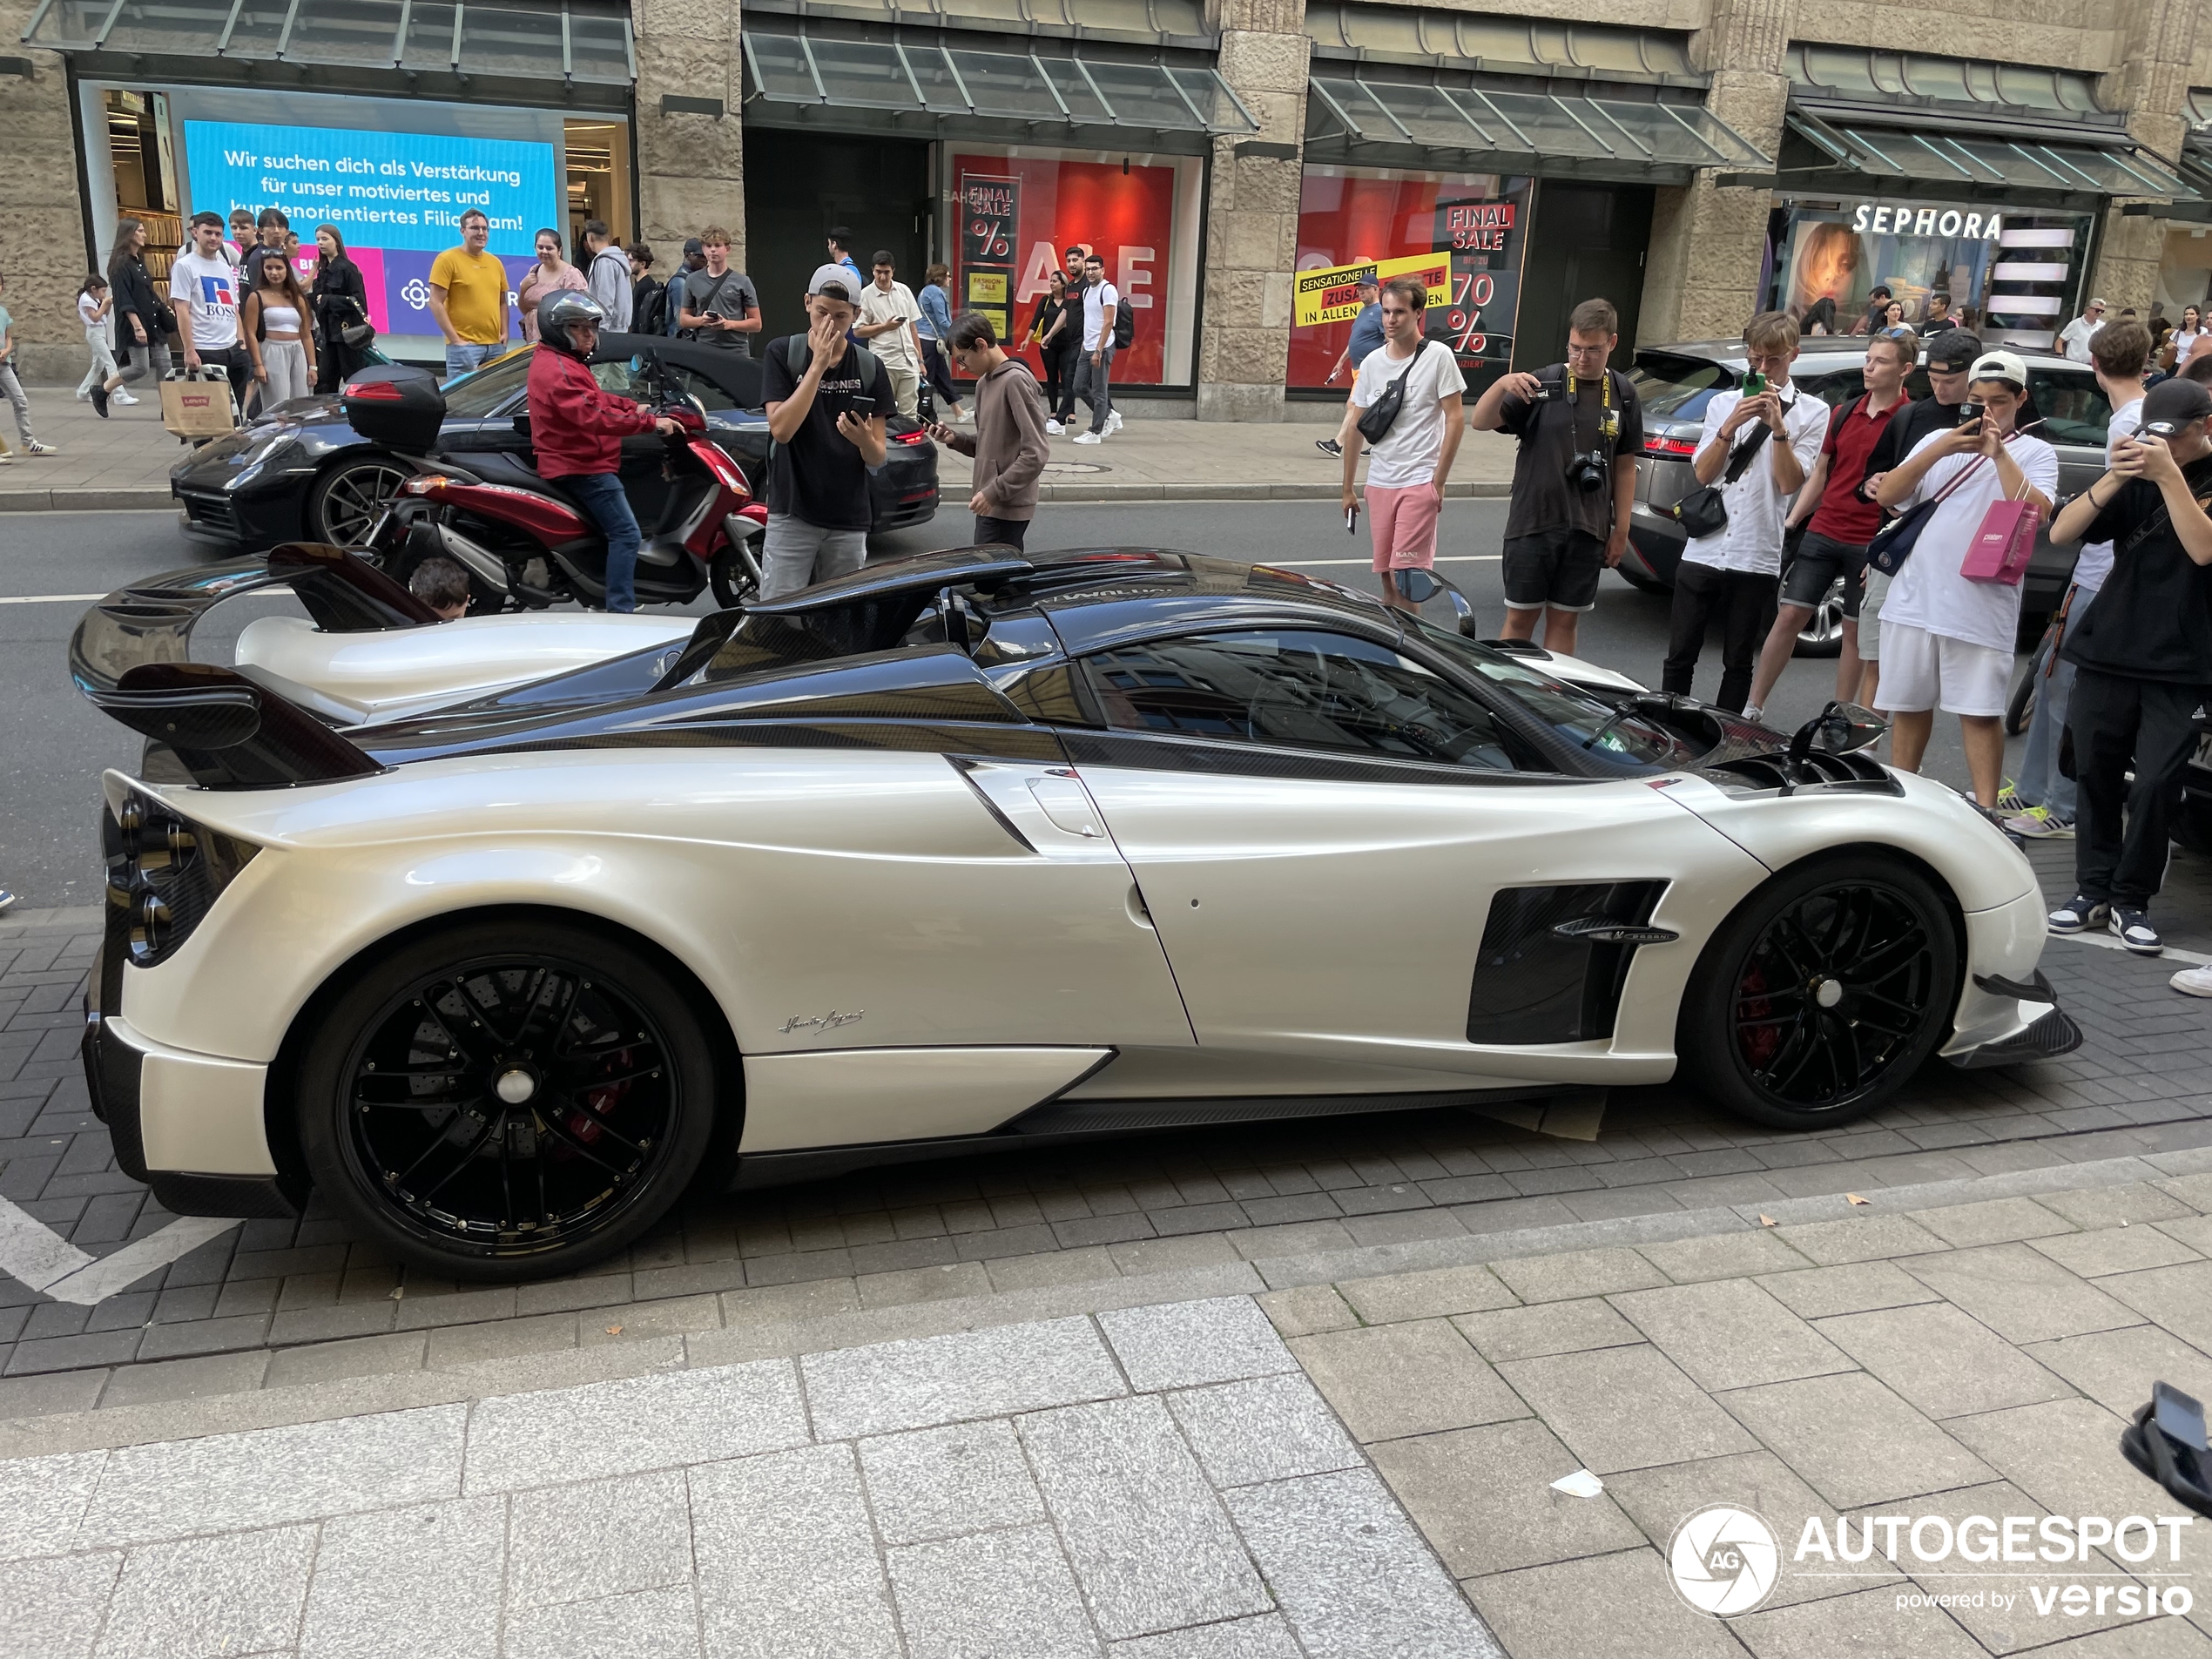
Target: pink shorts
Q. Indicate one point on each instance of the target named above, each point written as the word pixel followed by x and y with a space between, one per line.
pixel 1404 522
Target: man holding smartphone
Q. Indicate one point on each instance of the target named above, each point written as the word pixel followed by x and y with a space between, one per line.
pixel 2142 655
pixel 826 399
pixel 1009 444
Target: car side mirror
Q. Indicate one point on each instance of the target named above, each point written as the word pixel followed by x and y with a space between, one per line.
pixel 2166 1442
pixel 1839 729
pixel 523 428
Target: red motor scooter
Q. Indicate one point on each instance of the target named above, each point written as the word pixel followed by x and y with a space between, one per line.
pixel 528 548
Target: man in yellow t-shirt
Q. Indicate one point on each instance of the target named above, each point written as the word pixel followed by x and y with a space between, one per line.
pixel 468 298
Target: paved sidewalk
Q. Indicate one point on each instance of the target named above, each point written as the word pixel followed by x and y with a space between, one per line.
pixel 1060 1473
pixel 122 463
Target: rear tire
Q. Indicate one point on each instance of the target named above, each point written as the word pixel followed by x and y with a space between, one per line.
pixel 507 1101
pixel 1822 994
pixel 2021 708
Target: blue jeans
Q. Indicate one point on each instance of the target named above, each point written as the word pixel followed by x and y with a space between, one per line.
pixel 2041 784
pixel 602 495
pixel 468 357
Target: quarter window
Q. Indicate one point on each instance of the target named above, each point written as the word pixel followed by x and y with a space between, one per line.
pixel 2072 404
pixel 1297 689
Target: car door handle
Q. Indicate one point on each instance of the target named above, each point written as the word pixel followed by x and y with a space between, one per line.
pixel 1067 803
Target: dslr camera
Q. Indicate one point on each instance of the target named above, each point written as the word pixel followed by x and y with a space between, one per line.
pixel 1588 471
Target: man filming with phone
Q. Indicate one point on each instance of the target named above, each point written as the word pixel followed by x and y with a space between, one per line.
pixel 1573 479
pixel 2142 657
pixel 826 399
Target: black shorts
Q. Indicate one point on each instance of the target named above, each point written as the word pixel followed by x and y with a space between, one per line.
pixel 1555 567
pixel 1813 571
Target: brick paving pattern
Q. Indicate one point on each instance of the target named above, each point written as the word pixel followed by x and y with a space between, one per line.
pixel 2138 1084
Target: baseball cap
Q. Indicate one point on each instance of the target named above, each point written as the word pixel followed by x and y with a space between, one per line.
pixel 1954 349
pixel 1999 366
pixel 2178 402
pixel 2098 301
pixel 834 277
pixel 692 245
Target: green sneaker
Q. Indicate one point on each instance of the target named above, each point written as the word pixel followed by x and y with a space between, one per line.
pixel 2010 800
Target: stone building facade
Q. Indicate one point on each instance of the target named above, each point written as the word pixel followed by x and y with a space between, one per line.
pixel 1263 142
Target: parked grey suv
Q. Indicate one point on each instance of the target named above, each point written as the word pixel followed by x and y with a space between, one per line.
pixel 1677 382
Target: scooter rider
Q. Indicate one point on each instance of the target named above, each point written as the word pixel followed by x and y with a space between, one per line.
pixel 578 431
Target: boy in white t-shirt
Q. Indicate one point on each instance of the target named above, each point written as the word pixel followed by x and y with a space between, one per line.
pixel 1410 463
pixel 204 286
pixel 1948 638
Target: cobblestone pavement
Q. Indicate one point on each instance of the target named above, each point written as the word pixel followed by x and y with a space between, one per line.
pixel 1022 1219
pixel 1263 1475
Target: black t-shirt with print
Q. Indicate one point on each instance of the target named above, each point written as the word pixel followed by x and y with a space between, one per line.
pixel 2153 618
pixel 819 477
pixel 1552 431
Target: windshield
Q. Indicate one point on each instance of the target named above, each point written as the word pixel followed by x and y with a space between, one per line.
pixel 1629 741
pixel 474 396
pixel 1677 388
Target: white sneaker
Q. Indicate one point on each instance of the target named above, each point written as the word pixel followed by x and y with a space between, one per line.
pixel 2192 982
pixel 1113 419
pixel 1054 427
pixel 1753 713
pixel 121 397
pixel 1089 437
pixel 84 395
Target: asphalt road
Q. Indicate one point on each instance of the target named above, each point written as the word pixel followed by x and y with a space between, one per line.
pixel 53 745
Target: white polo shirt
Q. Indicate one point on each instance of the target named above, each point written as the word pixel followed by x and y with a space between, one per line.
pixel 1752 540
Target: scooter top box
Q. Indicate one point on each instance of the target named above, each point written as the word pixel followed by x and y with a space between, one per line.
pixel 395 405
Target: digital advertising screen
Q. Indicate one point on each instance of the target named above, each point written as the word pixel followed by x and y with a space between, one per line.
pixel 396 198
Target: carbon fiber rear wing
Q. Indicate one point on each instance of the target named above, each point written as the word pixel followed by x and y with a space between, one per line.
pixel 130 658
pixel 152 621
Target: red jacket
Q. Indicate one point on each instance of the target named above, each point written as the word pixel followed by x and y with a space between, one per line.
pixel 575 426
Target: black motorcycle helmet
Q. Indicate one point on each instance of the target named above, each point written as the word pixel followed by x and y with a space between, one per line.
pixel 563 311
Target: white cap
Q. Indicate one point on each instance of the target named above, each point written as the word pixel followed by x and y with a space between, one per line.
pixel 848 285
pixel 1999 366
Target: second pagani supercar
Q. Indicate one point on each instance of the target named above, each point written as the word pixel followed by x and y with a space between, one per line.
pixel 506 945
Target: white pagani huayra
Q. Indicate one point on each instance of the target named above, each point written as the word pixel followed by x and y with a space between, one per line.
pixel 508 931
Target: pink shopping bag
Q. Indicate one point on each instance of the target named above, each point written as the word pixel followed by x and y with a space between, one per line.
pixel 2002 546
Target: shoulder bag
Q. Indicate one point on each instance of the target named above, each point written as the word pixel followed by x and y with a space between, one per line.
pixel 1376 420
pixel 2004 542
pixel 1705 510
pixel 704 309
pixel 1892 544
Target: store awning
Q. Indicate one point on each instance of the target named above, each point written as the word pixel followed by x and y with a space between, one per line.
pixel 924 81
pixel 1358 117
pixel 569 42
pixel 1966 157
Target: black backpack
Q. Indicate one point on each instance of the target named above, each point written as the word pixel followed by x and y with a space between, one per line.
pixel 1124 324
pixel 649 308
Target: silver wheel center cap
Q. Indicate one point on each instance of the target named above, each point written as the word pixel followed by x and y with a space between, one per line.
pixel 1827 992
pixel 515 1087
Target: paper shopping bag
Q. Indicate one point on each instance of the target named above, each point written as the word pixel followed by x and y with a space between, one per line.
pixel 2002 546
pixel 199 406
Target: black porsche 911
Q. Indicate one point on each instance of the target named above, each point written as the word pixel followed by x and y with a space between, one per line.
pixel 300 472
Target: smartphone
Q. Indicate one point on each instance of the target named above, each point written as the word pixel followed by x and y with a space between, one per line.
pixel 1969 412
pixel 1352 518
pixel 1753 384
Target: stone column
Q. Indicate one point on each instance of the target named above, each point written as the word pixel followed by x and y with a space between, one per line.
pixel 1701 277
pixel 41 234
pixel 691 164
pixel 1251 215
pixel 2151 84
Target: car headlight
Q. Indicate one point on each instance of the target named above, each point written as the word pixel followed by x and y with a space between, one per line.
pixel 164 874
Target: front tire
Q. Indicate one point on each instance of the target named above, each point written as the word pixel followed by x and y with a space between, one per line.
pixel 344 505
pixel 735 574
pixel 1822 994
pixel 508 1102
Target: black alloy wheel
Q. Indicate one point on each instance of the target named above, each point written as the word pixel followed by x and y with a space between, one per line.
pixel 1822 994
pixel 346 502
pixel 508 1103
